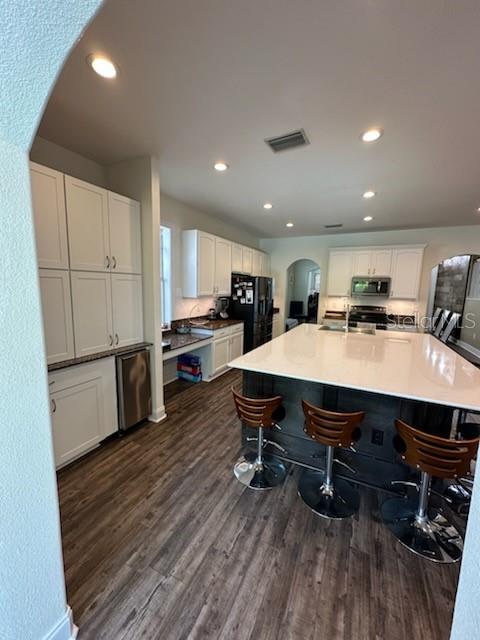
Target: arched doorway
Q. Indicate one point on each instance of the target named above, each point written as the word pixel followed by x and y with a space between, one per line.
pixel 302 292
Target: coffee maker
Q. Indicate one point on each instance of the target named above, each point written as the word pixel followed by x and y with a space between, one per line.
pixel 221 306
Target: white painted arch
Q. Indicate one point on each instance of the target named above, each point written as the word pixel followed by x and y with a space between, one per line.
pixel 36 38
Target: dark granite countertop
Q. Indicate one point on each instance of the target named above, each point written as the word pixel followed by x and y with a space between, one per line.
pixel 98 356
pixel 217 324
pixel 177 340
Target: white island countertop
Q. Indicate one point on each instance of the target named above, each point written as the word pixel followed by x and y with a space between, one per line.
pixel 416 366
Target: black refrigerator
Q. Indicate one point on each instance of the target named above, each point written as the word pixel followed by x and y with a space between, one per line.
pixel 252 302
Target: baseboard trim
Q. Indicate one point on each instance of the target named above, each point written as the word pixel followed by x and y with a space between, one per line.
pixel 64 629
pixel 158 415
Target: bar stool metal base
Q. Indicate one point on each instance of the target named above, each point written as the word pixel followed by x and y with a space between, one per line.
pixel 337 502
pixel 432 537
pixel 268 473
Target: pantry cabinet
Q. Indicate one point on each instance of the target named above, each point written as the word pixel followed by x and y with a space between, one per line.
pixel 107 311
pixel 92 312
pixel 48 200
pixel 83 403
pixel 88 232
pixel 401 263
pixel 125 234
pixel 57 314
pixel 127 313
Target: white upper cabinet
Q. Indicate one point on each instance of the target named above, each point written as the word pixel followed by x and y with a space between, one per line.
pixel 125 234
pixel 247 260
pixel 223 267
pixel 127 308
pixel 88 233
pixel 257 266
pixel 361 263
pixel 92 312
pixel 372 262
pixel 57 314
pixel 381 262
pixel 237 258
pixel 48 198
pixel 340 267
pixel 406 272
pixel 402 263
pixel 198 263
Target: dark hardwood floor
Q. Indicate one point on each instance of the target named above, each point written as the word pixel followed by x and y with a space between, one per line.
pixel 161 542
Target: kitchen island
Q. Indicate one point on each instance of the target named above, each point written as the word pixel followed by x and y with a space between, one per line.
pixel 388 375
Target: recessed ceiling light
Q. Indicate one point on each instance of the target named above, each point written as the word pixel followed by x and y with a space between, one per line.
pixel 368 218
pixel 102 66
pixel 372 135
pixel 478 210
pixel 268 205
pixel 289 224
pixel 220 166
pixel 369 194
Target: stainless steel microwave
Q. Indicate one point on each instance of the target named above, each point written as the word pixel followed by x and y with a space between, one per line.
pixel 370 286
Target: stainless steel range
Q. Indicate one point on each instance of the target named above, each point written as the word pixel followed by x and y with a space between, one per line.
pixel 368 314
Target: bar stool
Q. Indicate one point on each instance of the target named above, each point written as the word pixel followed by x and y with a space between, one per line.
pixel 422 529
pixel 259 470
pixel 328 498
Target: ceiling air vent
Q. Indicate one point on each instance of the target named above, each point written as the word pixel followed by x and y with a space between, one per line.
pixel 332 226
pixel 288 141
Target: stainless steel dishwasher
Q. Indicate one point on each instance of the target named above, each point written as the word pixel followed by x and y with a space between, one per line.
pixel 133 388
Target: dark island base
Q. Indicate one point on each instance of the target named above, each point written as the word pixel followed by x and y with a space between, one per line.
pixel 375 460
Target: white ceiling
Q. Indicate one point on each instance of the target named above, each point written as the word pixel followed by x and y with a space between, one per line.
pixel 207 80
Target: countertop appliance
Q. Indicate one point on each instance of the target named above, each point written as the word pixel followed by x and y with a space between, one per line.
pixel 365 286
pixel 221 306
pixel 133 388
pixel 252 302
pixel 368 314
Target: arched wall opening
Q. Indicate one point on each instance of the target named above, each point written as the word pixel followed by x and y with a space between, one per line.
pixel 302 291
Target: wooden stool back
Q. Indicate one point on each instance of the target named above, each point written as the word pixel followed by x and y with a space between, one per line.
pixel 439 457
pixel 256 412
pixel 329 427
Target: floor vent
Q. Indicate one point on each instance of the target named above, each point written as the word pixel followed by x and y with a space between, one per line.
pixel 332 226
pixel 288 141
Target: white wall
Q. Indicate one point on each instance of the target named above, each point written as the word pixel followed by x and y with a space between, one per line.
pixel 179 216
pixel 56 157
pixel 36 37
pixel 441 243
pixel 139 179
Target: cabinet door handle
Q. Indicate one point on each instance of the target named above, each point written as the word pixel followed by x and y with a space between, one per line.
pixel 110 340
pixel 117 339
pixel 114 262
pixel 107 261
pixel 54 406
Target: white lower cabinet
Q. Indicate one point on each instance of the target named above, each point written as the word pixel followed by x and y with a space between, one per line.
pixel 83 404
pixel 57 314
pixel 220 354
pixel 227 344
pixel 127 309
pixel 236 345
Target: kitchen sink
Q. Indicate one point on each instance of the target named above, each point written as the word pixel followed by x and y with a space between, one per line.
pixel 340 329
